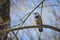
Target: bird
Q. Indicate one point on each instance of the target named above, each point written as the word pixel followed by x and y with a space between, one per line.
pixel 38 21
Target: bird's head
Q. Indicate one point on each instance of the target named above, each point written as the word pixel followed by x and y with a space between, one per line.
pixel 36 14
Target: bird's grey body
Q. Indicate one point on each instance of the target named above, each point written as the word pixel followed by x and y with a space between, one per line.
pixel 38 20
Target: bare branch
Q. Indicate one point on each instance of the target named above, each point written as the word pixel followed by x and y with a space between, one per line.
pixel 26 27
pixel 50 5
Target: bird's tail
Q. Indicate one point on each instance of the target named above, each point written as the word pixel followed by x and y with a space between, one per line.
pixel 40 29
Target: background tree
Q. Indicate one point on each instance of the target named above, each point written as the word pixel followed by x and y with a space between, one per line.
pixel 4 17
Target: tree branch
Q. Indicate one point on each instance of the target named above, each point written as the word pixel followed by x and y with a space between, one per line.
pixel 50 5
pixel 26 27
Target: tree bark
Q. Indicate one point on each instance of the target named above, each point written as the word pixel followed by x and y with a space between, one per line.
pixel 4 17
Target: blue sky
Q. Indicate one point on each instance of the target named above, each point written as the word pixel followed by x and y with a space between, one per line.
pixel 21 7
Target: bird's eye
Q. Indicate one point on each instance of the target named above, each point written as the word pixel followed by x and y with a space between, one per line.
pixel 36 16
